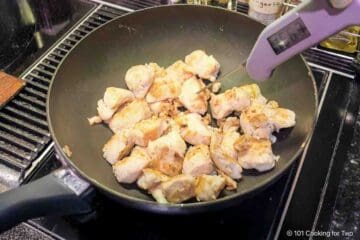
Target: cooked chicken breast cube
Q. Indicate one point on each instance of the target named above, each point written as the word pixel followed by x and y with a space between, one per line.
pixel 229 124
pixel 195 102
pixel 129 115
pixel 179 188
pixel 279 117
pixel 163 88
pixel 255 153
pixel 209 187
pixel 105 112
pixel 118 146
pixel 139 79
pixel 261 120
pixel 229 182
pixel 182 70
pixel 206 67
pixel 197 161
pixel 167 153
pixel 165 108
pixel 216 87
pixel 235 99
pixel 223 161
pixel 94 120
pixel 115 97
pixel 148 130
pixel 158 194
pixel 255 93
pixel 130 168
pixel 159 71
pixel 150 178
pixel 193 129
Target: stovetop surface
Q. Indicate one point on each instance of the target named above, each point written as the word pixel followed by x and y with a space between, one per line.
pixel 325 194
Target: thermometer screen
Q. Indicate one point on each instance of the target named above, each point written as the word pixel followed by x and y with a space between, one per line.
pixel 288 36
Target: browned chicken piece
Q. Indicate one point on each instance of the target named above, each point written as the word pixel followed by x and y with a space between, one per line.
pixel 158 194
pixel 167 153
pixel 150 178
pixel 195 102
pixel 229 124
pixel 222 160
pixel 255 153
pixel 235 99
pixel 203 65
pixel 179 188
pixel 118 146
pixel 208 187
pixel 139 79
pixel 260 120
pixel 216 87
pixel 105 113
pixel 197 161
pixel 159 71
pixel 193 129
pixel 113 99
pixel 94 120
pixel 230 183
pixel 148 130
pixel 129 115
pixel 166 108
pixel 255 93
pixel 130 168
pixel 163 88
pixel 280 117
pixel 182 70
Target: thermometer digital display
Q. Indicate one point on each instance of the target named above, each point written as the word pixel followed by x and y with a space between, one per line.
pixel 288 36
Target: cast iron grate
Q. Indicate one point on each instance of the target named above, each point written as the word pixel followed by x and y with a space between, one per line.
pixel 24 130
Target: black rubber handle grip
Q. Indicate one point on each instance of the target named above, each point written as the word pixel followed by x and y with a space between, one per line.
pixel 42 197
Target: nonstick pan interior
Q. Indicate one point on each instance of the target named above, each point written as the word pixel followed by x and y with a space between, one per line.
pixel 164 35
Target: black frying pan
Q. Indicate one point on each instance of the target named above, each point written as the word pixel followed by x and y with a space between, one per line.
pixel 162 35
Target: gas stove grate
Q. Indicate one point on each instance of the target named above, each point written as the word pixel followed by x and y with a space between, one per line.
pixel 24 130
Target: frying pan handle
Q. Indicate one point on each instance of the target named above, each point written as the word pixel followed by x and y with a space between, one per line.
pixel 49 195
pixel 304 26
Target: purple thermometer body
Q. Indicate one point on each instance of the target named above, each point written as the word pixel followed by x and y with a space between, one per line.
pixel 299 29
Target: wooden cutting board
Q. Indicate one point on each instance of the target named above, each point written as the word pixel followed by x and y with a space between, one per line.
pixel 9 87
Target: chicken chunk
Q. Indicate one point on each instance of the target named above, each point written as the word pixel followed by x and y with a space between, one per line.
pixel 167 153
pixel 255 153
pixel 112 100
pixel 115 97
pixel 94 120
pixel 163 88
pixel 209 187
pixel 197 161
pixel 181 69
pixel 139 79
pixel 167 108
pixel 255 94
pixel 230 183
pixel 151 178
pixel 206 67
pixel 179 188
pixel 105 112
pixel 235 99
pixel 148 130
pixel 260 120
pixel 193 129
pixel 130 168
pixel 158 194
pixel 223 161
pixel 118 146
pixel 129 115
pixel 195 102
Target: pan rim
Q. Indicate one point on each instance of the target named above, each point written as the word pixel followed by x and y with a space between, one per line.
pixel 151 205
